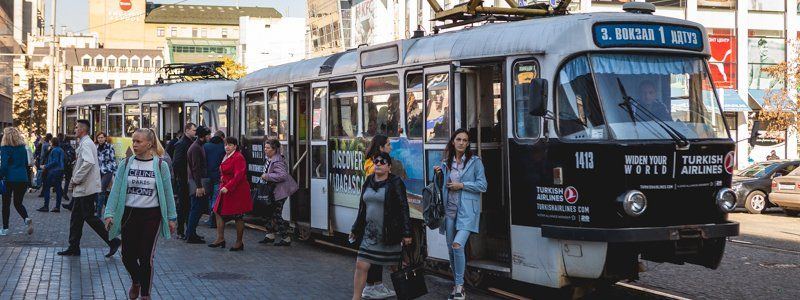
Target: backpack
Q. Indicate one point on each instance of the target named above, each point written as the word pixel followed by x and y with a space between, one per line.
pixel 433 204
pixel 69 156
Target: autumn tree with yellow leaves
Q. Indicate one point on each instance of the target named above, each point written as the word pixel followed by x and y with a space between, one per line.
pixel 32 119
pixel 231 69
pixel 780 109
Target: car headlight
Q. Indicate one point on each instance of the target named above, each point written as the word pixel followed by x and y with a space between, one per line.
pixel 633 202
pixel 726 200
pixel 736 186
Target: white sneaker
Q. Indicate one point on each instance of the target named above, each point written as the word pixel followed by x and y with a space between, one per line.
pixel 29 223
pixel 3 231
pixel 384 291
pixel 368 292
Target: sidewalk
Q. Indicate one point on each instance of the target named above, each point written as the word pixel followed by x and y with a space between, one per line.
pixel 30 268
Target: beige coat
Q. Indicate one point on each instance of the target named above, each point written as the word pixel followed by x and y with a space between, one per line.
pixel 86 174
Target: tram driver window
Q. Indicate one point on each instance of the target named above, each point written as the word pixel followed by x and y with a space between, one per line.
pixel 527 126
pixel 414 106
pixel 579 111
pixel 254 115
pixel 382 106
pixel 344 109
pixel 437 108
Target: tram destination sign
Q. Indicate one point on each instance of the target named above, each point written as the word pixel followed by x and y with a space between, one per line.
pixel 608 35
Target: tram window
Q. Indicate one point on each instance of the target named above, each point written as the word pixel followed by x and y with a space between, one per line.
pixel 579 110
pixel 72 119
pixel 382 106
pixel 146 123
pixel 172 126
pixel 97 120
pixel 526 125
pixel 343 109
pixel 115 121
pixel 59 119
pixel 103 119
pixel 319 114
pixel 272 115
pixel 132 114
pixel 319 159
pixel 191 115
pixel 283 116
pixel 254 115
pixel 214 115
pixel 437 108
pixel 414 105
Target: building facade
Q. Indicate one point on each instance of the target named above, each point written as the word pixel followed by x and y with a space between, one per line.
pixel 265 42
pixel 329 26
pixel 8 45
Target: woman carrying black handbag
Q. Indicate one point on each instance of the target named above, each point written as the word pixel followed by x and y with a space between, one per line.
pixel 383 224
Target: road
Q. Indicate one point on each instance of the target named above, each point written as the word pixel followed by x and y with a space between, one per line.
pixel 762 263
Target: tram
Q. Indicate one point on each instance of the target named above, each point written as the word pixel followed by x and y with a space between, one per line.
pixel 601 134
pixel 165 106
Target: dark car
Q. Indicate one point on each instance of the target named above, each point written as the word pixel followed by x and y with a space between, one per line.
pixel 753 184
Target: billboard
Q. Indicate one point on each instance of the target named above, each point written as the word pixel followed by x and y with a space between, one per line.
pixel 722 63
pixel 369 22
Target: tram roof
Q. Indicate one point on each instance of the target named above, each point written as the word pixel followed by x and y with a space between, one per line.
pixel 189 91
pixel 554 35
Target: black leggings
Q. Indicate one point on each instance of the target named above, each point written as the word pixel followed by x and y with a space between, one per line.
pixel 18 191
pixel 375 274
pixel 139 234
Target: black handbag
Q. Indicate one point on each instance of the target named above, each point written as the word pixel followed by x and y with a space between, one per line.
pixel 409 282
pixel 264 193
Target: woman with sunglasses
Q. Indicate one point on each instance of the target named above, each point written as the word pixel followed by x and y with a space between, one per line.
pixel 465 183
pixel 383 222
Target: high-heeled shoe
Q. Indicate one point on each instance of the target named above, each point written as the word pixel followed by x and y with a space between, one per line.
pixel 217 245
pixel 240 248
pixel 133 293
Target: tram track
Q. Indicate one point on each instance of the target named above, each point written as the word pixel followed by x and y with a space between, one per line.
pixel 763 247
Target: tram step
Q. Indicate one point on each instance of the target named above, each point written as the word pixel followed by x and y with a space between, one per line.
pixel 491 265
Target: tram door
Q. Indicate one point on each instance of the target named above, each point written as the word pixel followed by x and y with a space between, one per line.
pixel 299 148
pixel 192 113
pixel 278 127
pixel 319 157
pixel 438 112
pixel 171 125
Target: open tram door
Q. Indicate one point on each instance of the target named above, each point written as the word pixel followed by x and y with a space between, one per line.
pixel 320 204
pixel 278 128
pixel 299 144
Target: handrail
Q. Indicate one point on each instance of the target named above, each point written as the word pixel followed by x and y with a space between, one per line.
pixel 296 164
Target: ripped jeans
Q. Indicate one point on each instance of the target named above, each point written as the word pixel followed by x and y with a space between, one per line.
pixel 458 258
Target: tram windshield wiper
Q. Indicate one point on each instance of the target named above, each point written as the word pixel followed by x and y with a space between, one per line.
pixel 631 105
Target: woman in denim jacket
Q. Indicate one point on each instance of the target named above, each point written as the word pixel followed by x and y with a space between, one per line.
pixel 463 172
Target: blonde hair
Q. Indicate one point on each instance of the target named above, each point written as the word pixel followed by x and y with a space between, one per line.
pixel 150 134
pixel 12 137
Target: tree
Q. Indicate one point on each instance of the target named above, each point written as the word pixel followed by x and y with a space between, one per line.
pixel 231 69
pixel 32 119
pixel 780 108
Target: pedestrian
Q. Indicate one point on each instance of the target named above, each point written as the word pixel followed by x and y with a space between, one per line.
pixel 215 152
pixel 41 159
pixel 234 195
pixel 465 182
pixel 85 185
pixel 141 199
pixel 375 288
pixel 14 171
pixel 55 174
pixel 69 165
pixel 773 156
pixel 382 224
pixel 108 167
pixel 196 167
pixel 179 166
pixel 276 172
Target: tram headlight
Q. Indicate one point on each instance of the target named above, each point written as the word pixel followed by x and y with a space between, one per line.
pixel 634 203
pixel 726 200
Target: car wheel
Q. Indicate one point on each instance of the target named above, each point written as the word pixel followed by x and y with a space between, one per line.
pixel 756 202
pixel 791 212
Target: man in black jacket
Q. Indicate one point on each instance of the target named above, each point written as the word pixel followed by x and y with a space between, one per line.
pixel 179 165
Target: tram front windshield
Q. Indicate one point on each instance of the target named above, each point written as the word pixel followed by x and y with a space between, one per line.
pixel 638 97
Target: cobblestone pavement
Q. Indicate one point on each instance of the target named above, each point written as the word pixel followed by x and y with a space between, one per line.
pixel 30 268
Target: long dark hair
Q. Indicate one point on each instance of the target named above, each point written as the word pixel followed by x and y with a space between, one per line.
pixel 375 145
pixel 450 150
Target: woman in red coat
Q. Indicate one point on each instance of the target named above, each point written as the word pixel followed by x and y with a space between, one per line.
pixel 234 195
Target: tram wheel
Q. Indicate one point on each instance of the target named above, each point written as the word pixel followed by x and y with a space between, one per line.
pixel 756 202
pixel 303 233
pixel 474 277
pixel 791 212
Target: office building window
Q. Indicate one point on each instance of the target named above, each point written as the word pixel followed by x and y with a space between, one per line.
pixel 173 31
pixel 112 62
pixel 134 82
pixel 224 32
pixel 87 62
pixel 765 48
pixel 146 63
pixel 134 63
pixel 158 63
pixel 123 83
pixel 86 81
pixel 147 82
pixel 123 63
pixel 98 62
pixel 160 31
pixel 111 83
pixel 98 81
pixel 204 32
pixel 194 32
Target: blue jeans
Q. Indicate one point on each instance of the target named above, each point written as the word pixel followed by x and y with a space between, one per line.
pixel 100 204
pixel 458 258
pixel 53 180
pixel 211 201
pixel 195 211
pixel 38 181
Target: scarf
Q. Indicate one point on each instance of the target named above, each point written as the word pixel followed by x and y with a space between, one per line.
pixel 376 185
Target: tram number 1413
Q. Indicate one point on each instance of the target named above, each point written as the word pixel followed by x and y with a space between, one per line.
pixel 584 160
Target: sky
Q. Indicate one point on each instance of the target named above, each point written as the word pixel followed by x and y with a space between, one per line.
pixel 74 13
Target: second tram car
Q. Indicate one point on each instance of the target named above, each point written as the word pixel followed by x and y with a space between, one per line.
pixel 601 134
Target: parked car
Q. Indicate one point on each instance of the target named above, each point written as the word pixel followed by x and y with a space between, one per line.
pixel 786 193
pixel 753 184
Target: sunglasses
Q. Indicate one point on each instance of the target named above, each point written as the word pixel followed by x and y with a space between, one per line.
pixel 379 161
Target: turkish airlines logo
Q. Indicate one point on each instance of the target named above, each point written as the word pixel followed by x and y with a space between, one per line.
pixel 571 195
pixel 125 5
pixel 729 162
